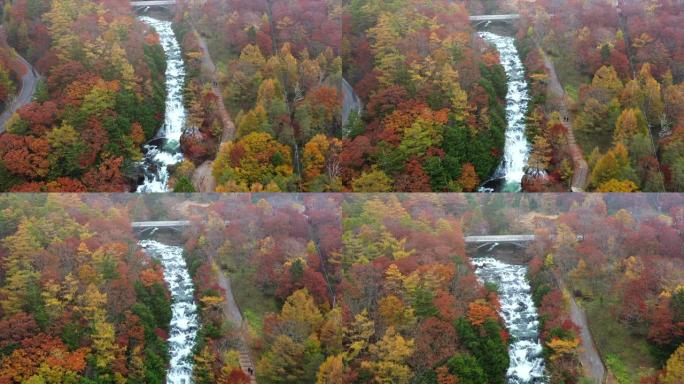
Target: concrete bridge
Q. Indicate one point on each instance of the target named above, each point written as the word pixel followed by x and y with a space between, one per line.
pixel 151 226
pixel 498 239
pixel 145 4
pixel 485 240
pixel 484 19
pixel 160 224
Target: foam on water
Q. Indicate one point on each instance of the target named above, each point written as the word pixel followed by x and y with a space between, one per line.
pixel 158 157
pixel 516 148
pixel 520 316
pixel 184 321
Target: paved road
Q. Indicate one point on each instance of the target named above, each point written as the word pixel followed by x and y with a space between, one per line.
pixel 29 82
pixel 351 101
pixel 588 354
pixel 580 176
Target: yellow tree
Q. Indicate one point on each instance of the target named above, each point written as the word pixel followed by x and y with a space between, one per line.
pixel 562 347
pixel 629 124
pixel 613 165
pixel 674 368
pixel 358 334
pixel 254 159
pixel 332 371
pixel 386 36
pixel 389 359
pixel 372 181
pixel 19 271
pixel 540 157
pixel 321 157
pixel 301 313
pixel 608 81
pixel 617 186
pixel 93 308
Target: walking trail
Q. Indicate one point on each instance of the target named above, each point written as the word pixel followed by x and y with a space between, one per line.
pixel 581 169
pixel 232 313
pixel 202 178
pixel 588 354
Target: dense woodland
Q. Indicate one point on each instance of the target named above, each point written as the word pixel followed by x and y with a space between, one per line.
pixel 79 302
pixel 347 253
pixel 621 68
pixel 101 98
pixel 279 71
pixel 626 270
pixel 9 73
pixel 433 95
pixel 337 288
pixel 365 290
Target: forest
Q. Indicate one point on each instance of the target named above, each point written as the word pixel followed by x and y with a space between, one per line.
pixel 353 95
pixel 278 74
pixel 339 288
pixel 9 73
pixel 433 95
pixel 101 96
pixel 620 66
pixel 79 302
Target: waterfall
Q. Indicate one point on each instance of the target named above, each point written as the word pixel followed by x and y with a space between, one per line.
pixel 516 149
pixel 164 150
pixel 520 316
pixel 184 320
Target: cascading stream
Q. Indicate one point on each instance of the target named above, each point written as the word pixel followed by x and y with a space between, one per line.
pixel 184 320
pixel 520 316
pixel 164 150
pixel 516 148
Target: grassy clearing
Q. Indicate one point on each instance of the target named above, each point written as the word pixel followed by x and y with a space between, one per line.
pixel 628 357
pixel 250 299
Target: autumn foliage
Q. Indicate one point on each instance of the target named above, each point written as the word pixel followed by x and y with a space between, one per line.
pixel 101 98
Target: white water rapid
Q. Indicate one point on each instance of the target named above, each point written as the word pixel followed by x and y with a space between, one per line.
pixel 520 316
pixel 184 320
pixel 164 149
pixel 516 148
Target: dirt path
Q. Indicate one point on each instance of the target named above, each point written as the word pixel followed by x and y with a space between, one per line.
pixel 29 82
pixel 202 178
pixel 209 69
pixel 580 176
pixel 232 313
pixel 588 354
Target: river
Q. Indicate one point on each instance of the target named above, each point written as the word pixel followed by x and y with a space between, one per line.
pixel 164 150
pixel 520 316
pixel 508 176
pixel 184 320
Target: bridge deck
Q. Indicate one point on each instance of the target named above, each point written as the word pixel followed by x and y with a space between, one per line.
pixel 151 3
pixel 160 224
pixel 495 17
pixel 498 239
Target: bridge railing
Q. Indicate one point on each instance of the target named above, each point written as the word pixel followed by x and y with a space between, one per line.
pixel 499 238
